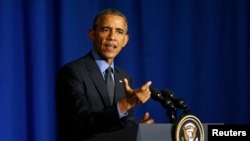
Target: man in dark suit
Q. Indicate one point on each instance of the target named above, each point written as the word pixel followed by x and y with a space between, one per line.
pixel 84 106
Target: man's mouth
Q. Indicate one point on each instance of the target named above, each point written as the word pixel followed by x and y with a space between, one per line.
pixel 110 47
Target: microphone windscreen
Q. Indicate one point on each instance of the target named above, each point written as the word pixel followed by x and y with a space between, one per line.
pixel 155 94
pixel 167 93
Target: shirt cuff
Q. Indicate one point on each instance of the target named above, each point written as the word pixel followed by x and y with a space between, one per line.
pixel 121 115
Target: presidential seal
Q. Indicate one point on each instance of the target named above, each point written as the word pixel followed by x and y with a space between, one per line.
pixel 189 128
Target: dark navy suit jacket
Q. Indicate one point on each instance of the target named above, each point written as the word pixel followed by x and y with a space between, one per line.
pixel 83 106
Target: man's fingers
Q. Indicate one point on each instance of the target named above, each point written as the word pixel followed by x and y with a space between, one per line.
pixel 146 115
pixel 126 85
pixel 146 119
pixel 146 85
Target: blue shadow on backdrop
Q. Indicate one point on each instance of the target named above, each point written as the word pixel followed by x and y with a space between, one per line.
pixel 198 49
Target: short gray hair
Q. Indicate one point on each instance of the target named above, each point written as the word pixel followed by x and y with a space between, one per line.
pixel 108 11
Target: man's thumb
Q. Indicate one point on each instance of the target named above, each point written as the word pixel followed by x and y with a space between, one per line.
pixel 126 85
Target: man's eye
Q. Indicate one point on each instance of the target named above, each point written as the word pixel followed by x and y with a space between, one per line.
pixel 105 29
pixel 120 32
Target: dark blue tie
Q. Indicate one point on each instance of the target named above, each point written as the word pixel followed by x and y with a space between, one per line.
pixel 110 83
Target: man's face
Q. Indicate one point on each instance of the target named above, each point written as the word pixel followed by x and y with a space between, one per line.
pixel 109 37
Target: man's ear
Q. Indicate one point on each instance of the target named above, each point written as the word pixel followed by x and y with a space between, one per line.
pixel 91 34
pixel 125 40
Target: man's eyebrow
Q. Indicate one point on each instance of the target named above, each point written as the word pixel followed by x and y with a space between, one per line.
pixel 105 27
pixel 120 29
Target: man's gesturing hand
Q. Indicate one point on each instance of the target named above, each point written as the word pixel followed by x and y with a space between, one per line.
pixel 134 96
pixel 137 96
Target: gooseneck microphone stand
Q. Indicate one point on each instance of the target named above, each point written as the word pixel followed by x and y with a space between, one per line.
pixel 172 114
pixel 171 109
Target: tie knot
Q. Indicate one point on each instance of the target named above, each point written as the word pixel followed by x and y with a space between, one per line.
pixel 108 70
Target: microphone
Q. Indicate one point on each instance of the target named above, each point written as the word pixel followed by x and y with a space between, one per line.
pixel 179 103
pixel 156 95
pixel 165 102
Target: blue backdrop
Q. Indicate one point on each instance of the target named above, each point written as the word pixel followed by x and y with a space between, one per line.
pixel 200 49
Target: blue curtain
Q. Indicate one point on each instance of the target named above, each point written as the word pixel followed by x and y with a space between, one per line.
pixel 198 49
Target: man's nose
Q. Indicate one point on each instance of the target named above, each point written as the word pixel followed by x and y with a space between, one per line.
pixel 112 35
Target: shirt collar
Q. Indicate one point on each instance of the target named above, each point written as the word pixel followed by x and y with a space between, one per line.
pixel 102 64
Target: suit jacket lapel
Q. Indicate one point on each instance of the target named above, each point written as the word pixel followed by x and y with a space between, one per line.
pixel 97 79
